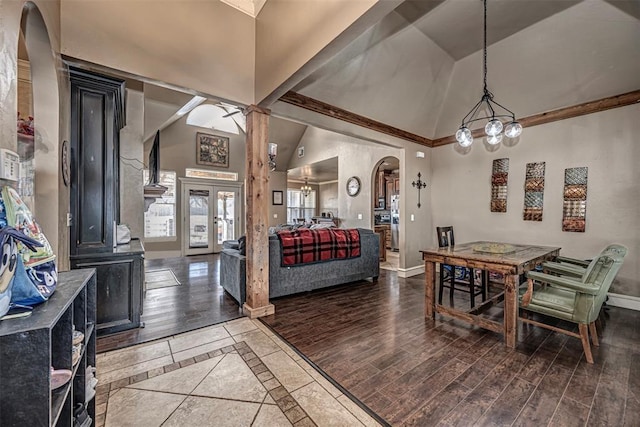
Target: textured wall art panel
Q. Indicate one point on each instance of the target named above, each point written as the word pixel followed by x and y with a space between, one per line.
pixel 499 177
pixel 574 210
pixel 533 192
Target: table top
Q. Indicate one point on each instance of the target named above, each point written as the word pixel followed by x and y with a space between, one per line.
pixel 514 254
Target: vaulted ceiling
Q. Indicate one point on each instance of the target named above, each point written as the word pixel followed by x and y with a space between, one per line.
pixel 420 68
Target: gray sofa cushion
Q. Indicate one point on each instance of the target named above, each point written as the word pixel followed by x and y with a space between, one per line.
pixel 300 278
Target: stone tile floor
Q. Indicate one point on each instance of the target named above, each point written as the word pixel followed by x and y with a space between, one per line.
pixel 236 373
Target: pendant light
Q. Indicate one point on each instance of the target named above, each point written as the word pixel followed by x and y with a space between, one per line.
pixel 494 126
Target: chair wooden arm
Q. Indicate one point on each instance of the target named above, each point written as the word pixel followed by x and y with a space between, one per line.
pixel 580 262
pixel 563 282
pixel 526 297
pixel 564 269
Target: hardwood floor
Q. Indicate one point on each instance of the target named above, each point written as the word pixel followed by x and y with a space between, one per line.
pixel 197 302
pixel 372 338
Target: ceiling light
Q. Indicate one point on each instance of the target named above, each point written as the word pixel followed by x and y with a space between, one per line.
pixel 306 189
pixel 490 108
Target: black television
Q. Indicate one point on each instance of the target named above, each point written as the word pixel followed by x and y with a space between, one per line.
pixel 153 189
pixel 154 161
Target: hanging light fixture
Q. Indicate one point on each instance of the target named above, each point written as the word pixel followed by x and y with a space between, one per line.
pixel 306 189
pixel 494 126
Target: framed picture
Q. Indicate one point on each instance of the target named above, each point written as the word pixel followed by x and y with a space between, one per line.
pixel 212 150
pixel 276 197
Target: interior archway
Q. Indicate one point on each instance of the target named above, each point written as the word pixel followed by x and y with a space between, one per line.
pixel 44 152
pixel 386 209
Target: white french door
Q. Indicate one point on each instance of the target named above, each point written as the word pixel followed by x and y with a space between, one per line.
pixel 211 215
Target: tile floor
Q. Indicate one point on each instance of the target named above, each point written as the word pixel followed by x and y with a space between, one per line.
pixel 236 373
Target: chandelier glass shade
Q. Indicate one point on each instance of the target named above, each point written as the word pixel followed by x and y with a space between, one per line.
pixel 488 109
pixel 306 189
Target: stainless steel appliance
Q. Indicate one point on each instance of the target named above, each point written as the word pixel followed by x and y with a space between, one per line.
pixel 382 218
pixel 395 222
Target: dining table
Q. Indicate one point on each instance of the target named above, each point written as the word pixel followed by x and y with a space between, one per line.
pixel 511 260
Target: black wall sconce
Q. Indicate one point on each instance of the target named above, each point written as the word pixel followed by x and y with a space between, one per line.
pixel 419 184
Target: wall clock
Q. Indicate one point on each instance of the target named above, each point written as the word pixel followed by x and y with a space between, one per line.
pixel 353 186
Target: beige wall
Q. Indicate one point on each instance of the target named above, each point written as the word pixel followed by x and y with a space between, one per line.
pixel 321 145
pixel 205 46
pixel 328 198
pixel 42 29
pixel 527 84
pixel 289 34
pixel 278 181
pixel 131 165
pixel 178 152
pixel 605 142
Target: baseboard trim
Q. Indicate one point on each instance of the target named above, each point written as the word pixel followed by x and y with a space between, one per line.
pixel 162 254
pixel 411 271
pixel 624 301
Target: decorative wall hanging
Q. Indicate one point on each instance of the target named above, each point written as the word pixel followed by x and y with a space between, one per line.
pixel 212 150
pixel 575 199
pixel 419 184
pixel 533 192
pixel 499 176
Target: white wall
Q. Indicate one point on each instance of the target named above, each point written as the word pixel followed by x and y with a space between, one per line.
pixel 606 143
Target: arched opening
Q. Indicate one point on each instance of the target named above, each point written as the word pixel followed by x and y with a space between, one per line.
pixel 386 210
pixel 38 144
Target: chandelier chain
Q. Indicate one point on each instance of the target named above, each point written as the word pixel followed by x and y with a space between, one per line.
pixel 484 60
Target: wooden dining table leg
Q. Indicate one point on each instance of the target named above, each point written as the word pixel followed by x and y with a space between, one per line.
pixel 429 290
pixel 510 310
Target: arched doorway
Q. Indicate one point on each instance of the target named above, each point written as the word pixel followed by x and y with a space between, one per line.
pixel 386 209
pixel 39 98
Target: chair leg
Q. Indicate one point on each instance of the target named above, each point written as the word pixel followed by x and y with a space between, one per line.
pixel 441 284
pixel 472 287
pixel 485 284
pixel 452 283
pixel 584 336
pixel 594 334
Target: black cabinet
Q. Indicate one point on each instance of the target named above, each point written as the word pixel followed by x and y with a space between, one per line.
pixel 120 276
pixel 31 346
pixel 97 115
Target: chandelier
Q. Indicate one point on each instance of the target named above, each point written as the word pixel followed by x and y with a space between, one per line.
pixel 306 189
pixel 491 108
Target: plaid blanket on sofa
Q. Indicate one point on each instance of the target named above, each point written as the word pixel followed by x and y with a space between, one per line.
pixel 304 245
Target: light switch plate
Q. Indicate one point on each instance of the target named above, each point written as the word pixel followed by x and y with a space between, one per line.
pixel 359 216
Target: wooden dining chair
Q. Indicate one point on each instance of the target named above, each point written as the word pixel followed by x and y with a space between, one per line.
pixel 459 278
pixel 577 300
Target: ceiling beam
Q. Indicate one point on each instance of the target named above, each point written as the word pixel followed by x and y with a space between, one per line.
pixel 329 110
pixel 590 107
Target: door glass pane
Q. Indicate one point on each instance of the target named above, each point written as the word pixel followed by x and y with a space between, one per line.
pixel 198 215
pixel 226 215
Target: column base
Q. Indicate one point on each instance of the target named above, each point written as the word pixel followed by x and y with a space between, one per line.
pixel 253 313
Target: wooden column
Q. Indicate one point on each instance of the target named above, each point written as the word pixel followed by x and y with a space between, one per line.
pixel 257 176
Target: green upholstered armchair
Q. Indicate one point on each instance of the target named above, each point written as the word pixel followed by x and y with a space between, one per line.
pixel 576 300
pixel 565 266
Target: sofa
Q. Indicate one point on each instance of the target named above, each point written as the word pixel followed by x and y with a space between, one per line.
pixel 300 278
